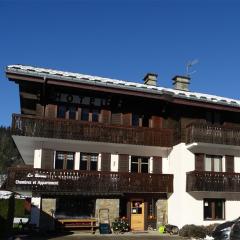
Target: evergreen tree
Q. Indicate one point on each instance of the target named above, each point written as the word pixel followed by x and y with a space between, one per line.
pixel 9 155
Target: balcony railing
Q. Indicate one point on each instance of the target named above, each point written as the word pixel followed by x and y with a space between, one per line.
pixel 89 131
pixel 213 182
pixel 197 132
pixel 86 182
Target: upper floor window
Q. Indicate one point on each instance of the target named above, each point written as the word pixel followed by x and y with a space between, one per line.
pixel 89 161
pixel 72 110
pixel 213 163
pixel 64 160
pixel 135 120
pixel 139 164
pixel 61 111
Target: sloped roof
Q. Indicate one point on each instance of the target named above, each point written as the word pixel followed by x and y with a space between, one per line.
pixel 95 80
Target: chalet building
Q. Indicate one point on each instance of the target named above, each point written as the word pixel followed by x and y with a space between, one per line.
pixel 150 154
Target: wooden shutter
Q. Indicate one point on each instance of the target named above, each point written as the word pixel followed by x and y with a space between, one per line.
pixel 157 164
pixel 229 163
pixel 123 163
pixel 199 161
pixel 51 111
pixel 127 119
pixel 106 162
pixel 116 118
pixel 39 110
pixel 156 122
pixel 47 159
pixel 105 116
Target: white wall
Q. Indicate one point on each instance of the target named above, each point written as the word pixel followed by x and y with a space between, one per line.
pixel 114 162
pixel 184 208
pixel 237 164
pixel 77 161
pixel 37 158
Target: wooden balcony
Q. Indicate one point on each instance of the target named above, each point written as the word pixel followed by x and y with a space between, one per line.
pixel 198 132
pixel 89 131
pixel 42 181
pixel 213 182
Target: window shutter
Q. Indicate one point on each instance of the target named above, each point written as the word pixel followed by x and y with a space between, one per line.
pixel 117 118
pixel 47 159
pixel 156 122
pixel 127 119
pixel 106 162
pixel 51 111
pixel 157 164
pixel 105 116
pixel 199 161
pixel 123 163
pixel 229 163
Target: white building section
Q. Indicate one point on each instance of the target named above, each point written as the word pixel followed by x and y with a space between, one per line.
pixel 114 162
pixel 37 158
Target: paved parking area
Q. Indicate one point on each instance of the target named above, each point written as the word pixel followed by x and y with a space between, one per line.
pixel 82 236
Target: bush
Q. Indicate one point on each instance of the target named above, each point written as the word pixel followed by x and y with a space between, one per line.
pixel 120 225
pixel 193 231
pixel 209 229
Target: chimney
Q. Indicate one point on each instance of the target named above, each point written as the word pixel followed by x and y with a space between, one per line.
pixel 150 79
pixel 181 83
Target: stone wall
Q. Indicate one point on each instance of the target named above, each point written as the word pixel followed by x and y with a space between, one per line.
pixel 47 210
pixel 112 205
pixel 162 210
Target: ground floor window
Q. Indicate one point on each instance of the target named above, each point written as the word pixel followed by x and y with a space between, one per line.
pixel 75 207
pixel 214 209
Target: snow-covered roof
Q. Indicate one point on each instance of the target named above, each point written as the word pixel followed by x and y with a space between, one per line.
pixel 95 80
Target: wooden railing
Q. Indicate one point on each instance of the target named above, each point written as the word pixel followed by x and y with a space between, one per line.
pixel 197 132
pixel 89 131
pixel 86 182
pixel 213 181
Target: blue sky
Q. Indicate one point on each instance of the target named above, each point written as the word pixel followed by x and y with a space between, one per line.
pixel 122 39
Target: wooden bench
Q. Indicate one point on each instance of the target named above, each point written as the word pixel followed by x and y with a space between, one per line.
pixel 80 223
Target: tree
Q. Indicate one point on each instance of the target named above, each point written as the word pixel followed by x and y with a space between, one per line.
pixel 9 155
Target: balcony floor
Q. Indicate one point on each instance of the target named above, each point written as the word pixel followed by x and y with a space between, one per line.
pixel 27 145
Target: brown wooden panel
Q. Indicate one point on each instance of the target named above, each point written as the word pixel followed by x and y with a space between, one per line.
pixel 50 111
pixel 156 122
pixel 123 163
pixel 199 161
pixel 105 116
pixel 127 119
pixel 116 119
pixel 157 164
pixel 47 159
pixel 105 162
pixel 39 110
pixel 229 163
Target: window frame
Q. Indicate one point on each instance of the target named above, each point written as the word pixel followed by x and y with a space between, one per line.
pixel 212 162
pixel 65 159
pixel 89 160
pixel 213 202
pixel 138 160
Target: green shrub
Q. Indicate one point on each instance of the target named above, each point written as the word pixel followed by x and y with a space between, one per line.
pixel 193 231
pixel 209 229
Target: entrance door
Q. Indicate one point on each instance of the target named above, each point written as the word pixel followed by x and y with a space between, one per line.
pixel 137 215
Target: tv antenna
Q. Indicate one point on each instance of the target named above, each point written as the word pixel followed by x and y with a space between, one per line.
pixel 189 66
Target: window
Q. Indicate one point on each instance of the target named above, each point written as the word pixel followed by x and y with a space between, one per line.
pixel 61 111
pixel 64 160
pixel 213 163
pixel 95 114
pixel 135 120
pixel 85 114
pixel 139 164
pixel 72 112
pixel 214 209
pixel 89 161
pixel 152 209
